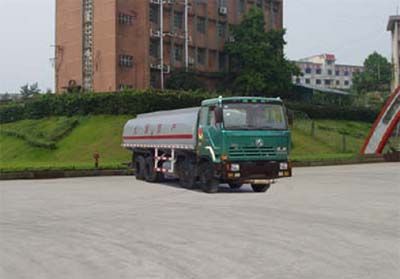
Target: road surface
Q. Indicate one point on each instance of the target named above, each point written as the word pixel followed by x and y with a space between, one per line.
pixel 325 222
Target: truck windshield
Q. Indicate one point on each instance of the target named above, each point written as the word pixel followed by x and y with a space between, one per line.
pixel 254 116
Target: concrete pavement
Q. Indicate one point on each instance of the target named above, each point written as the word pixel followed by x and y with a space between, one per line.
pixel 325 222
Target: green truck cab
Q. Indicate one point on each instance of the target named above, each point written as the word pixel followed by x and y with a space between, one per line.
pixel 245 139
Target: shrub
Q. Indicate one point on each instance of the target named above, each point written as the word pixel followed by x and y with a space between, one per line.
pixel 335 112
pixel 41 135
pixel 136 102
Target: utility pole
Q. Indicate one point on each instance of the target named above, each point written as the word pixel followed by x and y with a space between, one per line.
pixel 186 35
pixel 162 43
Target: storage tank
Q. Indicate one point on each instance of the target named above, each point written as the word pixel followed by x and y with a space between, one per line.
pixel 164 129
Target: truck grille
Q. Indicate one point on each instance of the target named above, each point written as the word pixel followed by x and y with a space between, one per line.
pixel 251 152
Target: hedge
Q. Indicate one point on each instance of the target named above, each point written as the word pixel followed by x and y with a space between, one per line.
pixel 136 102
pixel 335 112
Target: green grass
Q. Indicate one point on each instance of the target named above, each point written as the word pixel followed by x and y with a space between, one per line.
pixel 93 134
pixel 103 134
pixel 44 133
pixel 330 140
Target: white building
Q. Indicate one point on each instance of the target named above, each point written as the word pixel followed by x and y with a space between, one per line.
pixel 321 71
pixel 394 28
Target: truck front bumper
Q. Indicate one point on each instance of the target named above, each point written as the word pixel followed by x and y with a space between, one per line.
pixel 253 172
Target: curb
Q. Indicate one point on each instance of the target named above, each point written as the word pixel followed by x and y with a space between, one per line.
pixel 326 163
pixel 51 174
pixel 62 174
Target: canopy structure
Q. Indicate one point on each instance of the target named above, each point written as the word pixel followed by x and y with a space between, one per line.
pixel 384 125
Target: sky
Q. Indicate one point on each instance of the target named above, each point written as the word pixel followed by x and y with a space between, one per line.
pixel 350 29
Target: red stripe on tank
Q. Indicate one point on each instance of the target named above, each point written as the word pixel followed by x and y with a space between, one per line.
pixel 158 137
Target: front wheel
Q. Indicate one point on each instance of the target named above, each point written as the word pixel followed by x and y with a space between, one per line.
pixel 260 188
pixel 206 177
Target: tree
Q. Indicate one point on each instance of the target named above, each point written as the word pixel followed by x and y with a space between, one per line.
pixel 377 75
pixel 29 90
pixel 258 64
pixel 181 80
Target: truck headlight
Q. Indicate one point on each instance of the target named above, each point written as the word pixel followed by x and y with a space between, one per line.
pixel 235 167
pixel 283 166
pixel 281 149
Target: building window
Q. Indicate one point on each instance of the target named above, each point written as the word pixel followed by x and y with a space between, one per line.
pixel 338 82
pixel 308 81
pixel 221 28
pixel 259 3
pixel 330 72
pixel 123 87
pixel 155 48
pixel 298 80
pixel 126 61
pixel 242 7
pixel 308 70
pixel 201 56
pixel 154 76
pixel 318 71
pixel 125 19
pixel 346 73
pixel 222 62
pixel 201 25
pixel 154 10
pixel 337 72
pixel 327 82
pixel 346 83
pixel 318 81
pixel 178 53
pixel 178 20
pixel 276 7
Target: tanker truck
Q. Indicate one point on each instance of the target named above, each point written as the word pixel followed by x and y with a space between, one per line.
pixel 235 140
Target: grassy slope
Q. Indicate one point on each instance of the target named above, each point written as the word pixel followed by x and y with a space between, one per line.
pixel 327 142
pixel 96 133
pixel 103 134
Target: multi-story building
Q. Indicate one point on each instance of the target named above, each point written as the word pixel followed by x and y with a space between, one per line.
pixel 394 28
pixel 323 72
pixel 105 45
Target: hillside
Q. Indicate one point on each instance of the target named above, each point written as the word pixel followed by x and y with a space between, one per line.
pixel 61 142
pixel 93 134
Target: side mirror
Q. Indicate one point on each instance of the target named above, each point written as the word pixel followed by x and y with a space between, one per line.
pixel 218 115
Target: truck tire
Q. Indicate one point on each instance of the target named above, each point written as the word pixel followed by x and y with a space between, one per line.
pixel 260 188
pixel 149 172
pixel 139 165
pixel 187 174
pixel 235 185
pixel 206 177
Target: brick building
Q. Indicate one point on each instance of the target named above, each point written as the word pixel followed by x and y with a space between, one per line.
pixel 105 45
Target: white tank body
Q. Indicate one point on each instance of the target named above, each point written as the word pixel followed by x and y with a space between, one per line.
pixel 164 129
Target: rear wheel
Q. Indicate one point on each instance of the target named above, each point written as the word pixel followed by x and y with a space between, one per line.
pixel 187 174
pixel 139 166
pixel 207 180
pixel 260 188
pixel 235 185
pixel 150 174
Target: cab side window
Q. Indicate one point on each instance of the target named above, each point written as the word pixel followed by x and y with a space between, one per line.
pixel 203 119
pixel 211 117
